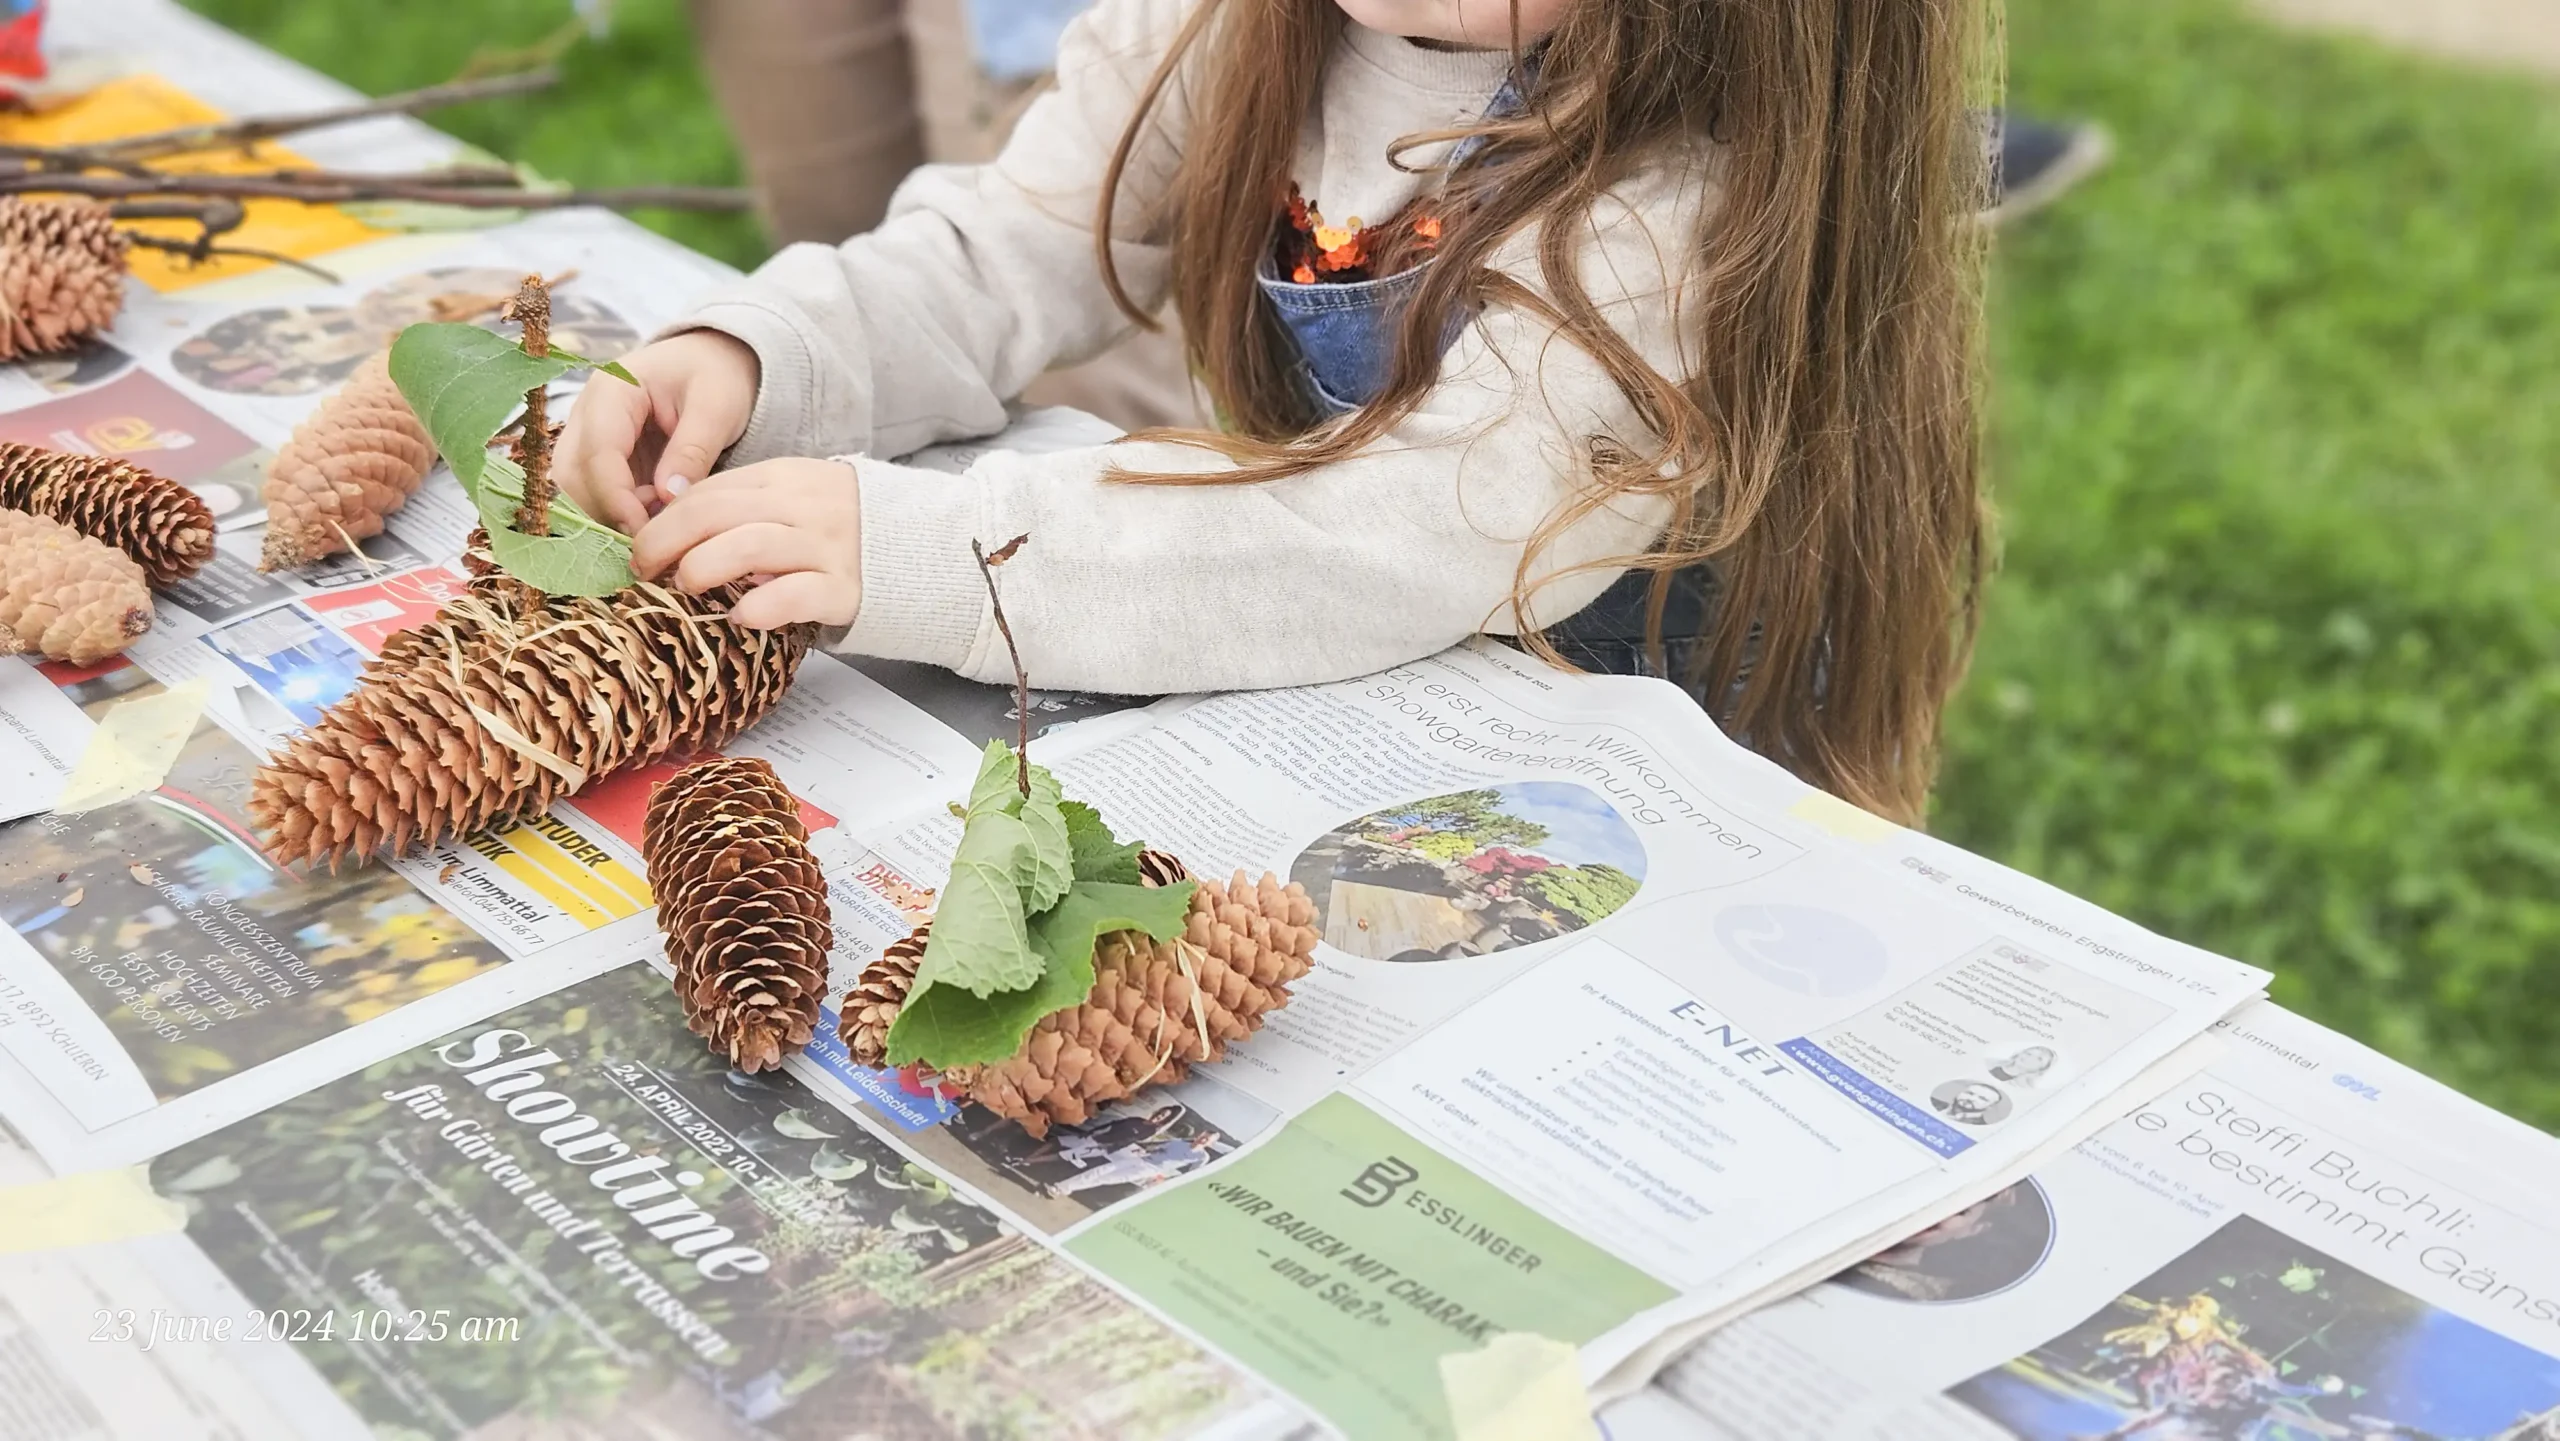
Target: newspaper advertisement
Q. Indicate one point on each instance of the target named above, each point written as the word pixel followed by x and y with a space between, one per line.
pixel 2308 1240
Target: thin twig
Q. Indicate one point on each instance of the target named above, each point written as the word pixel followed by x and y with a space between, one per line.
pixel 229 134
pixel 531 308
pixel 1021 682
pixel 198 251
pixel 336 187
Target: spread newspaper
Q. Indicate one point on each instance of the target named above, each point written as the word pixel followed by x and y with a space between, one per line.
pixel 1616 1031
pixel 2305 1241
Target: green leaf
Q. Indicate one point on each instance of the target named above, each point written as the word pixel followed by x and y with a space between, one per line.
pixel 997 787
pixel 608 367
pixel 579 562
pixel 979 939
pixel 1096 854
pixel 950 1027
pixel 464 383
pixel 1051 862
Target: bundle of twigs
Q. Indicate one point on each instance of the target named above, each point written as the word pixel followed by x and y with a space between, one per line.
pixel 133 177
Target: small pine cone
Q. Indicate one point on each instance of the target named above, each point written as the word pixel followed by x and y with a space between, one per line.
pixel 64 595
pixel 1157 1008
pixel 1161 868
pixel 157 521
pixel 577 687
pixel 869 1008
pixel 355 459
pixel 62 269
pixel 743 907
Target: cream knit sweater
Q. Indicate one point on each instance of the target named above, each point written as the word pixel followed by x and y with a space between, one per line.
pixel 983 276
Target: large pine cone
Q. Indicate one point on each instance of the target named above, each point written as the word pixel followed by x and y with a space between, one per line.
pixel 412 758
pixel 356 458
pixel 65 595
pixel 743 907
pixel 157 521
pixel 1157 1008
pixel 62 269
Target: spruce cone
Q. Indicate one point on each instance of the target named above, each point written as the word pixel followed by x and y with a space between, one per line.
pixel 62 269
pixel 65 595
pixel 1157 1008
pixel 411 758
pixel 869 1008
pixel 355 459
pixel 743 907
pixel 157 521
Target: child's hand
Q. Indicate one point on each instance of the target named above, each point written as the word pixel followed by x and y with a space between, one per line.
pixel 622 445
pixel 794 526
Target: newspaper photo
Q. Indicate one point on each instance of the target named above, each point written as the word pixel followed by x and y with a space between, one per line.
pixel 2306 1241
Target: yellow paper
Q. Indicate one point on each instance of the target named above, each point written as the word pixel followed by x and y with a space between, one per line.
pixel 141 104
pixel 1842 819
pixel 1519 1388
pixel 85 1209
pixel 132 749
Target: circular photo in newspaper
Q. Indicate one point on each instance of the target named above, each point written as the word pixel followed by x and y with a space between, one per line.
pixel 1972 1103
pixel 1471 872
pixel 1982 1250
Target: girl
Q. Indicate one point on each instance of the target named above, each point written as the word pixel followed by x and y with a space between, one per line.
pixel 1655 352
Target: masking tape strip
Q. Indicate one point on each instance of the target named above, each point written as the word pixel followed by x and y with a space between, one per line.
pixel 132 749
pixel 85 1209
pixel 1842 819
pixel 1520 1387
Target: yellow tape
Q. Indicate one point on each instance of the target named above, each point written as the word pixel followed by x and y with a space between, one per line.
pixel 85 1209
pixel 1842 819
pixel 1519 1388
pixel 131 751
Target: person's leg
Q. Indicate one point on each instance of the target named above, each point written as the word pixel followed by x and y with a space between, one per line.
pixel 822 97
pixel 2034 161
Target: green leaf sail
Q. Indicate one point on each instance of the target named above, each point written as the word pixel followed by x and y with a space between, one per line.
pixel 465 382
pixel 980 939
pixel 1096 855
pixel 950 1027
pixel 1051 860
pixel 578 563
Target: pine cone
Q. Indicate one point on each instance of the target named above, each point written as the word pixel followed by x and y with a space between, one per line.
pixel 869 1008
pixel 355 459
pixel 65 595
pixel 743 907
pixel 157 521
pixel 412 759
pixel 1157 1008
pixel 62 269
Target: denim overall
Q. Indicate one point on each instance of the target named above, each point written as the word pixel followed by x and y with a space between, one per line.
pixel 1346 334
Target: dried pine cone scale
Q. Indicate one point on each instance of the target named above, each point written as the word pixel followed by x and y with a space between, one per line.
pixel 62 271
pixel 355 459
pixel 418 730
pixel 1156 1009
pixel 65 596
pixel 164 526
pixel 742 905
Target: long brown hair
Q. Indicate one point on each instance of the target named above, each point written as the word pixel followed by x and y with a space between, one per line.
pixel 1823 454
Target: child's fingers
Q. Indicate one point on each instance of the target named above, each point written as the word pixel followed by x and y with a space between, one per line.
pixel 710 420
pixel 702 511
pixel 805 595
pixel 594 458
pixel 734 554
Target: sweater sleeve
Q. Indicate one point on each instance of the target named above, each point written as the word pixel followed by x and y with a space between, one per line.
pixel 981 276
pixel 1394 553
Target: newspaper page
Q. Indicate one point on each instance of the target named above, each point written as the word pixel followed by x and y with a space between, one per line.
pixel 2308 1240
pixel 1611 1028
pixel 572 1220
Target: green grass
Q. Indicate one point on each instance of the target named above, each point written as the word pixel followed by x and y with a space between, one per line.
pixel 2274 661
